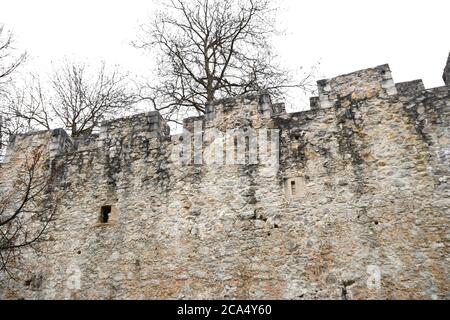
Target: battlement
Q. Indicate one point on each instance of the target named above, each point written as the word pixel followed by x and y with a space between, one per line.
pixel 149 125
pixel 255 110
pixel 410 87
pixel 359 85
pixel 259 103
pixel 57 142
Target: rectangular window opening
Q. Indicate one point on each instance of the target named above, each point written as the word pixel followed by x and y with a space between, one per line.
pixel 247 150
pixel 235 153
pixel 293 188
pixel 104 215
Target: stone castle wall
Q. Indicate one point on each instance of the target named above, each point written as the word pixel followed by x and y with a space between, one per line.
pixel 356 208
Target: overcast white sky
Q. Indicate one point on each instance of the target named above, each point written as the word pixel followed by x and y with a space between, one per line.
pixel 346 35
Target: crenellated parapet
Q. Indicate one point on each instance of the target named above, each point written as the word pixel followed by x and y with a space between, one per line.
pixel 410 88
pixel 132 133
pixel 359 85
pixel 245 109
pixel 132 130
pixel 56 142
pixel 253 110
pixel 151 125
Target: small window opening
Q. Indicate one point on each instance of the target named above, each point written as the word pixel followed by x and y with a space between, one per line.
pixel 105 212
pixel 247 150
pixel 235 153
pixel 293 188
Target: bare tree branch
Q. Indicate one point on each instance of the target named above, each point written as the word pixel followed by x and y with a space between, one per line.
pixel 76 99
pixel 27 206
pixel 82 102
pixel 9 63
pixel 211 49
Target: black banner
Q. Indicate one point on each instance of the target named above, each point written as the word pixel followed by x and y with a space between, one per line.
pixel 130 310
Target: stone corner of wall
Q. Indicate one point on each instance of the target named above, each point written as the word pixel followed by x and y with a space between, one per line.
pixel 446 75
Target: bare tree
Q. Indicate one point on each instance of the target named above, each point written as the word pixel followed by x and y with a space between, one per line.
pixel 210 49
pixel 77 99
pixel 27 107
pixel 9 63
pixel 27 206
pixel 82 102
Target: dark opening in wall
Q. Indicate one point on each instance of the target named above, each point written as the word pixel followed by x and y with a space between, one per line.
pixel 293 189
pixel 269 144
pixel 235 153
pixel 104 214
pixel 247 150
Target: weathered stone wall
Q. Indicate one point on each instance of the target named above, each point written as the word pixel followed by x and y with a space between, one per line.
pixel 370 165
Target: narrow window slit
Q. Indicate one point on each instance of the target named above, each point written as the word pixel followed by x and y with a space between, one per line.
pixel 104 215
pixel 235 153
pixel 293 188
pixel 247 150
